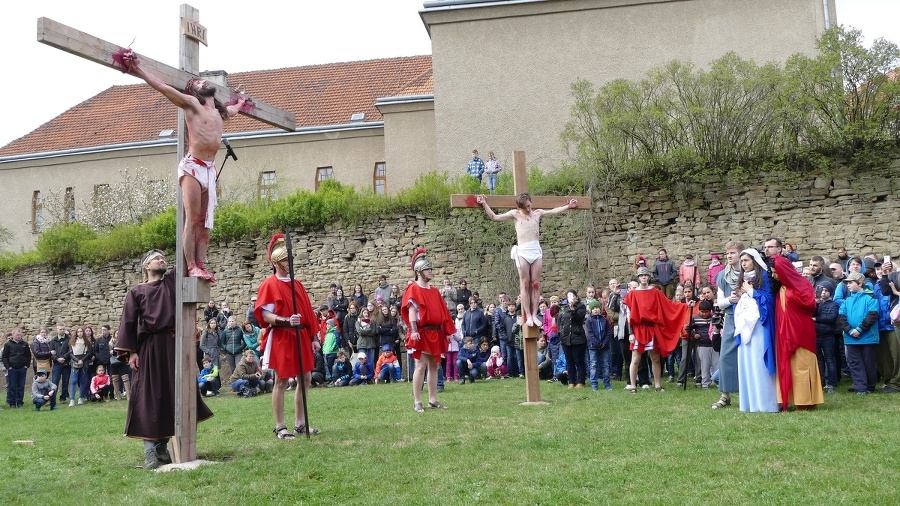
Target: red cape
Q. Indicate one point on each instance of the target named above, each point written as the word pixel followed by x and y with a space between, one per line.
pixel 653 315
pixel 795 305
pixel 283 359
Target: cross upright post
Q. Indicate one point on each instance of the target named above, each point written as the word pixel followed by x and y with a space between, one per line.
pixel 192 290
pixel 530 334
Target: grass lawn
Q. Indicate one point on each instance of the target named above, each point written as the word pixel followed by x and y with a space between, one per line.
pixel 583 447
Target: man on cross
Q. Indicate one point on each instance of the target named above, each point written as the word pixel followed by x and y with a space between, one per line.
pixel 204 117
pixel 527 253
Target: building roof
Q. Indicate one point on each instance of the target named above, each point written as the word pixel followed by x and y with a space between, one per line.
pixel 318 95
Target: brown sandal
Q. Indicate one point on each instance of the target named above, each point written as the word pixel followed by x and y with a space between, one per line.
pixel 723 402
pixel 417 407
pixel 436 405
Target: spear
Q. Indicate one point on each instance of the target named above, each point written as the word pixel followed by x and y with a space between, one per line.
pixel 301 379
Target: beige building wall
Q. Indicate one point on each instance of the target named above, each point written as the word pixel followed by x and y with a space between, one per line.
pixel 502 74
pixel 409 133
pixel 352 153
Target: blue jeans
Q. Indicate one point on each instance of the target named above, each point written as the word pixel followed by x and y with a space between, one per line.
pixel 38 403
pixel 388 371
pixel 59 375
pixel 462 368
pixel 492 182
pixel 15 387
pixel 238 384
pixel 329 365
pixel 827 364
pixel 599 360
pixel 79 383
pixel 515 361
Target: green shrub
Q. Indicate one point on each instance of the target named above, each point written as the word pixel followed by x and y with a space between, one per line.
pixel 60 245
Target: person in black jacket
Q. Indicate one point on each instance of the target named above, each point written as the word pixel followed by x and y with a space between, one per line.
pixel 570 323
pixel 16 358
pixel 59 349
pixel 826 320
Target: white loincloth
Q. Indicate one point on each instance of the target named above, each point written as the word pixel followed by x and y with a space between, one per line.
pixel 530 251
pixel 205 173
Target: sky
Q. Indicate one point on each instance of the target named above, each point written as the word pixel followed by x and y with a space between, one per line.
pixel 40 82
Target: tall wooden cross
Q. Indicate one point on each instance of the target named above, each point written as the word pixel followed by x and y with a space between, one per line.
pixel 193 290
pixel 520 185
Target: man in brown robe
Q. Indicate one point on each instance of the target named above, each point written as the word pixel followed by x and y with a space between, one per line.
pixel 146 341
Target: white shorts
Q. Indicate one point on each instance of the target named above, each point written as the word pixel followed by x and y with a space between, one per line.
pixel 530 251
pixel 205 173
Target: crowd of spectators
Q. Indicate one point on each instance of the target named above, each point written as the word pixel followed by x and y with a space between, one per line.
pixel 583 339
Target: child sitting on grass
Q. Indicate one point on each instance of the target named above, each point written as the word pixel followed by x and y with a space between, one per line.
pixel 495 366
pixel 208 379
pixel 101 388
pixel 343 370
pixel 388 367
pixel 43 391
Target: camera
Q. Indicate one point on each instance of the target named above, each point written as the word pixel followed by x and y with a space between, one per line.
pixel 718 318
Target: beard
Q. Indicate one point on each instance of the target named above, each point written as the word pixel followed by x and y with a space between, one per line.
pixel 206 91
pixel 159 270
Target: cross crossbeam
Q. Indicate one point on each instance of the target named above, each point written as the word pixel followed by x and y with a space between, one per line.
pixel 97 50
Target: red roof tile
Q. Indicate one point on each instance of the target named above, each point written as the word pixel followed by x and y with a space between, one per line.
pixel 318 95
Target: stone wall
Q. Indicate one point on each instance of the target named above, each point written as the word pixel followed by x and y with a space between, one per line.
pixel 816 214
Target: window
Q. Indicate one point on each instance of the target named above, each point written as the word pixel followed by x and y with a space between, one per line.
pixel 379 179
pixel 267 183
pixel 37 212
pixel 323 174
pixel 69 203
pixel 101 193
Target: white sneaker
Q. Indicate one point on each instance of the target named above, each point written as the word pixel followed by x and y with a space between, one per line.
pixel 80 401
pixel 627 387
pixel 645 387
pixel 72 403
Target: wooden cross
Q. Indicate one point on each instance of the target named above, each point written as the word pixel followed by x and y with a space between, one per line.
pixel 193 290
pixel 520 185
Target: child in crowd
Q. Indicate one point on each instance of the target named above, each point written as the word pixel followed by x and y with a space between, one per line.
pixel 496 368
pixel 466 361
pixel 599 335
pixel 267 381
pixel 43 391
pixel 561 370
pixel 317 378
pixel 363 372
pixel 330 344
pixel 858 320
pixel 101 387
pixel 826 318
pixel 481 358
pixel 388 366
pixel 456 342
pixel 208 379
pixel 701 332
pixel 343 370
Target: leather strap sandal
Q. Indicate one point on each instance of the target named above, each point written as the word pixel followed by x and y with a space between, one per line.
pixel 283 433
pixel 301 429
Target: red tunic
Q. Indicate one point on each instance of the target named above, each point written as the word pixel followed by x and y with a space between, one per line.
pixel 795 307
pixel 432 312
pixel 283 354
pixel 655 316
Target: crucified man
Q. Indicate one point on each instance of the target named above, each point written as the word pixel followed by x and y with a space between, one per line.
pixel 205 118
pixel 527 253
